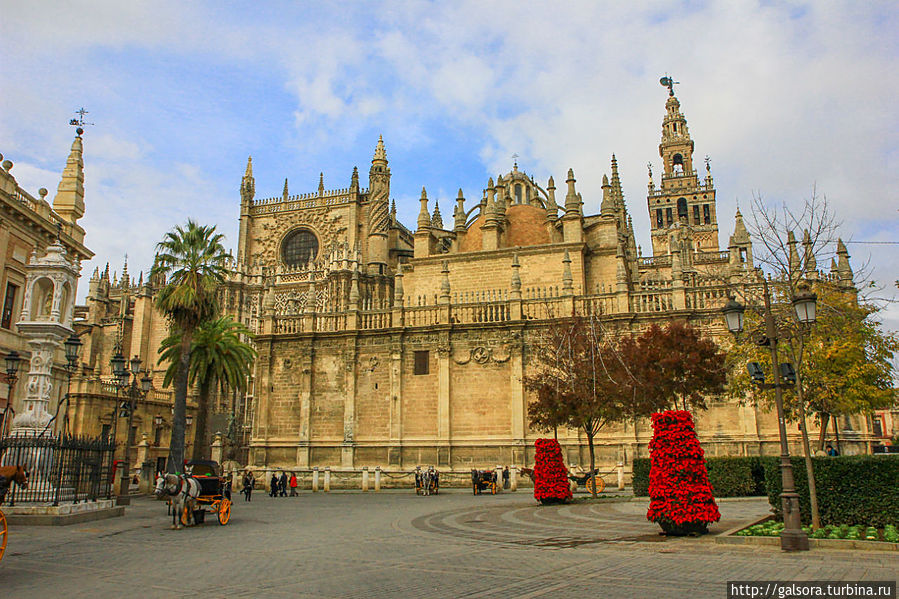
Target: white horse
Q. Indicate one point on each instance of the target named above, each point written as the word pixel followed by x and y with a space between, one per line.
pixel 183 492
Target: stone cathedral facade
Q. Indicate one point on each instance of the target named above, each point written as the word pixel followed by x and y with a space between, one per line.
pixel 386 345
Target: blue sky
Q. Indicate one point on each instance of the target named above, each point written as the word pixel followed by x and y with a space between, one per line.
pixel 784 96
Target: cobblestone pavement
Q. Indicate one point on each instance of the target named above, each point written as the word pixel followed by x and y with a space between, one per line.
pixel 397 544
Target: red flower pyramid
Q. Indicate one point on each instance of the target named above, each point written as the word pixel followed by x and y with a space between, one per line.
pixel 550 473
pixel 679 489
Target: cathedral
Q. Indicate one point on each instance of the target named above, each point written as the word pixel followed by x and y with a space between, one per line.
pixel 383 345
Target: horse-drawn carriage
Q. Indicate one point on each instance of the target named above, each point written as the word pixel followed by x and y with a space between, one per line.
pixel 483 481
pixel 427 481
pixel 8 475
pixel 583 478
pixel 190 494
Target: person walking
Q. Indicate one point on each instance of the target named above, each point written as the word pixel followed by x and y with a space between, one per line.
pixel 248 482
pixel 283 484
pixel 293 484
pixel 273 492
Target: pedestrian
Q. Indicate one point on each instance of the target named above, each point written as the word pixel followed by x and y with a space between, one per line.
pixel 283 485
pixel 248 482
pixel 293 484
pixel 831 451
pixel 274 486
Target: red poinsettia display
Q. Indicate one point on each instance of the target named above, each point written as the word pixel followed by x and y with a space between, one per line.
pixel 550 473
pixel 679 489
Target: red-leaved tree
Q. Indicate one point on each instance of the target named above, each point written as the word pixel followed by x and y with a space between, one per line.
pixel 681 500
pixel 550 473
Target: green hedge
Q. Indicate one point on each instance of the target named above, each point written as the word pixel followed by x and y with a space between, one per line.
pixel 641 477
pixel 851 489
pixel 729 476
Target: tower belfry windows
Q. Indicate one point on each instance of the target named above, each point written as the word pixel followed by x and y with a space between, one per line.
pixel 682 209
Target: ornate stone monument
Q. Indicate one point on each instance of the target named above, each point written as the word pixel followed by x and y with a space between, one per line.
pixel 46 323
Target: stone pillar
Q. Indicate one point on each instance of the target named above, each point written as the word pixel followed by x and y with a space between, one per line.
pixel 216 448
pixel 364 479
pixel 327 479
pixel 377 479
pixel 443 403
pixel 305 399
pixel 513 478
pixel 315 479
pixel 499 478
pixel 620 469
pixel 347 457
pixel 143 448
pixel 394 452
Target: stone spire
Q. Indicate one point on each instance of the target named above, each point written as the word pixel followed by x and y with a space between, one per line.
pixel 436 219
pixel 551 192
pixel 567 279
pixel 354 180
pixel 354 290
pixel 843 267
pixel 393 210
pixel 490 217
pixel 459 213
pixel 793 256
pixel 398 286
pixel 248 183
pixel 516 279
pixel 444 284
pixel 69 200
pixel 810 263
pixel 380 152
pixel 284 194
pixel 572 203
pixel 321 184
pixel 608 204
pixel 616 184
pixel 500 198
pixel 424 219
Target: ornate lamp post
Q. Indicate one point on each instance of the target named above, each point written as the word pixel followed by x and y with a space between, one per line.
pixel 13 359
pixel 793 537
pixel 73 352
pixel 129 379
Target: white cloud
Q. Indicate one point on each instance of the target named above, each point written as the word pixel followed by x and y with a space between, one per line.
pixel 781 96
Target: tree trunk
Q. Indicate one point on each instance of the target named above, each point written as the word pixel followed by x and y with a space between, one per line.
pixel 824 417
pixel 200 439
pixel 176 444
pixel 836 432
pixel 809 470
pixel 590 435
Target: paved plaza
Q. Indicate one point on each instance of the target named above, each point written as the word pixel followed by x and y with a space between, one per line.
pixel 397 544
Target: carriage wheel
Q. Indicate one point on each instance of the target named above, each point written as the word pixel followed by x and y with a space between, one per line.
pixel 598 483
pixel 224 511
pixel 185 516
pixel 3 531
pixel 493 488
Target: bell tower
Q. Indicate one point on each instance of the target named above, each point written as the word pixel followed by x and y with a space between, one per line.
pixel 681 196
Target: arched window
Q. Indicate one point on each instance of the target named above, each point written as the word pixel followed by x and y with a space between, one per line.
pixel 682 213
pixel 300 246
pixel 518 193
pixel 706 215
pixel 677 164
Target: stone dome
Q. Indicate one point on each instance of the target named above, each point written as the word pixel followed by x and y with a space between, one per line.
pixel 526 225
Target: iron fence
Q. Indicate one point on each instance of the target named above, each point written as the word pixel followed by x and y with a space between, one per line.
pixel 61 468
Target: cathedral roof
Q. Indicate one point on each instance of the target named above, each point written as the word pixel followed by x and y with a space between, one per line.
pixel 525 225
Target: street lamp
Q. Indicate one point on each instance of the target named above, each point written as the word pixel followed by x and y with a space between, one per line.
pixel 126 378
pixel 13 359
pixel 793 538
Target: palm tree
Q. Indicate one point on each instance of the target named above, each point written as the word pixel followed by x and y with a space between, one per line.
pixel 192 261
pixel 218 359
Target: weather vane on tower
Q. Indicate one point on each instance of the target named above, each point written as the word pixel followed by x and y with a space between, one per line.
pixel 80 122
pixel 669 82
